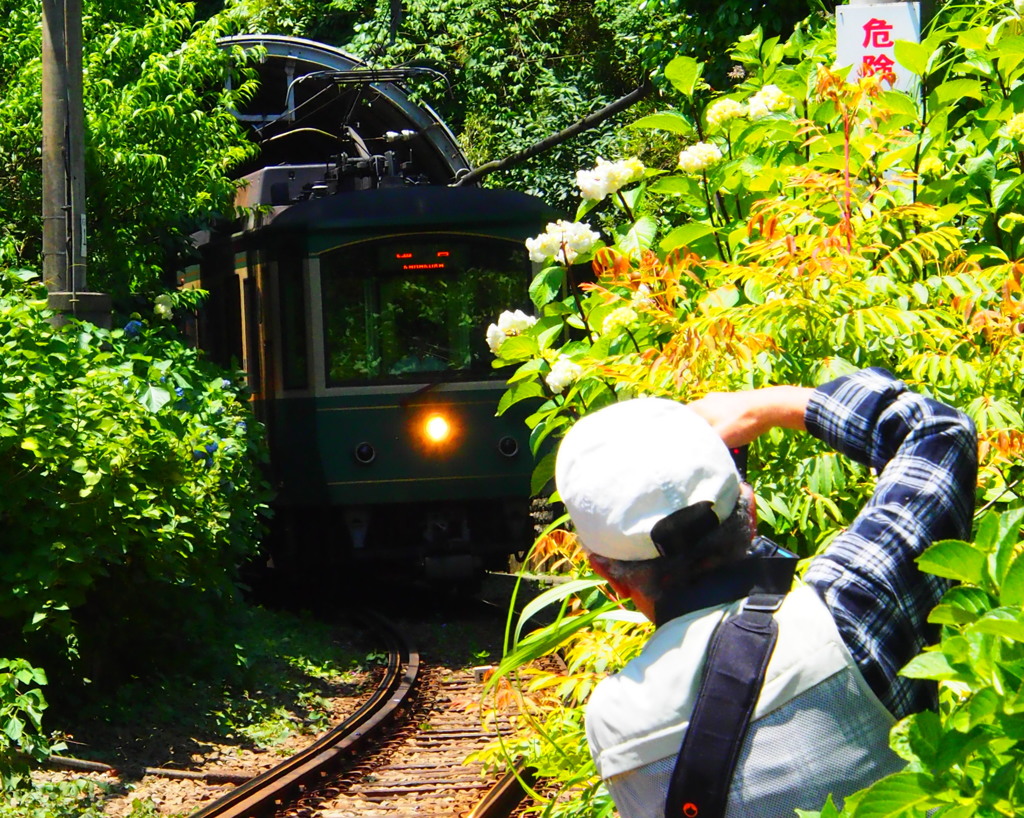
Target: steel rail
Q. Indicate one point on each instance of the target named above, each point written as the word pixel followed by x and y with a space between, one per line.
pixel 266 793
pixel 504 796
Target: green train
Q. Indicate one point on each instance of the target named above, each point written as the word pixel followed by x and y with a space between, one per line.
pixel 356 293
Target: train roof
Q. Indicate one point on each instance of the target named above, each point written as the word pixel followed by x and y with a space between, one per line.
pixel 419 207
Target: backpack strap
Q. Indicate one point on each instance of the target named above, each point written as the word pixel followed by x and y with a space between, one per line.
pixel 733 677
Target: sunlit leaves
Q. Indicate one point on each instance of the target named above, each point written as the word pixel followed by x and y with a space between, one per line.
pixel 162 140
pixel 127 461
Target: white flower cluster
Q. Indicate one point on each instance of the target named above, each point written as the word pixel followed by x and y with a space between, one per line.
pixel 563 373
pixel 619 317
pixel 1014 128
pixel 723 110
pixel 643 297
pixel 769 99
pixel 608 177
pixel 509 324
pixel 163 307
pixel 698 157
pixel 563 241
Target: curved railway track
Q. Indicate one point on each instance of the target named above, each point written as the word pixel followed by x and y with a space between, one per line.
pixel 416 768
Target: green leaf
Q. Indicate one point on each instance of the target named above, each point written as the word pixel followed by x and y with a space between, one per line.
pixel 547 285
pixel 544 641
pixel 558 594
pixel 1011 592
pixel 639 237
pixel 916 738
pixel 547 337
pixel 543 473
pixel 930 665
pixel 14 728
pixel 517 392
pixel 1001 622
pixel 518 347
pixel 683 73
pixel 954 559
pixel 682 185
pixel 969 603
pixel 954 90
pixel 827 811
pixel 998 534
pixel 902 794
pixel 955 747
pixel 154 398
pixel 912 56
pixel 671 121
pixel 685 235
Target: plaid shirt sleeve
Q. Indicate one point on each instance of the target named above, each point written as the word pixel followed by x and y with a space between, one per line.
pixel 925 455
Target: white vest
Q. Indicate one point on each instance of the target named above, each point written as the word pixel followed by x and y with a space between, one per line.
pixel 817 727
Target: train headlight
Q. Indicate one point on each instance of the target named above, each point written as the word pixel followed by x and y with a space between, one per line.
pixel 437 429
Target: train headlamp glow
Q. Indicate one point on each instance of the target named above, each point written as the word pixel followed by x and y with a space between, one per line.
pixel 437 429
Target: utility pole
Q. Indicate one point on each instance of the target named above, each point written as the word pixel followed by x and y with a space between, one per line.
pixel 64 240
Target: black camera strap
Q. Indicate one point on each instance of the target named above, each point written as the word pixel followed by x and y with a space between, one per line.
pixel 733 676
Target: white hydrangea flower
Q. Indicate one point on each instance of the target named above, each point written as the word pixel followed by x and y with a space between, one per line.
pixel 699 157
pixel 495 338
pixel 509 323
pixel 513 323
pixel 643 297
pixel 563 241
pixel 723 110
pixel 563 373
pixel 769 99
pixel 162 307
pixel 608 177
pixel 1014 128
pixel 620 317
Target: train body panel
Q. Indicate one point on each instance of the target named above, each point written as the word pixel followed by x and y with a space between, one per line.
pixel 381 448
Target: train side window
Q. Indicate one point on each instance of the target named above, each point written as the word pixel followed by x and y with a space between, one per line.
pixel 349 308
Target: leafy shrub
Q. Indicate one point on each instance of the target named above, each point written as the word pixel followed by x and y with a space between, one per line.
pixel 21 717
pixel 128 464
pixel 967 758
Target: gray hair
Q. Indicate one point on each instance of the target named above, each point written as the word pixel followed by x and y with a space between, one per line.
pixel 726 544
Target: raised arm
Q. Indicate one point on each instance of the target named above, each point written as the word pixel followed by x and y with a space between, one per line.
pixel 925 455
pixel 741 417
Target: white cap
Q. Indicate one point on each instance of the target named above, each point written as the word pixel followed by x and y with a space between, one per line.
pixel 624 468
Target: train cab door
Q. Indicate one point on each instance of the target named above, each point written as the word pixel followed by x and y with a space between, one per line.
pixel 254 357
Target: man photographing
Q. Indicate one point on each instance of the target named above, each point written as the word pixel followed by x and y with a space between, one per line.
pixel 664 516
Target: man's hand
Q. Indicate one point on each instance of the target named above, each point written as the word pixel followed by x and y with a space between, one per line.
pixel 740 417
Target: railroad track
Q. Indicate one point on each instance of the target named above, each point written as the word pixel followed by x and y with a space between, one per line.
pixel 376 764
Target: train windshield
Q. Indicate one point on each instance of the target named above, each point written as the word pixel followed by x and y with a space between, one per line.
pixel 398 308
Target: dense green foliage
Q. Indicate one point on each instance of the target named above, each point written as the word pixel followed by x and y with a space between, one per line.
pixel 161 138
pixel 121 451
pixel 130 467
pixel 21 713
pixel 810 226
pixel 131 492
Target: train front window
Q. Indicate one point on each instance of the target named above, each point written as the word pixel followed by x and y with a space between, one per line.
pixel 405 307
